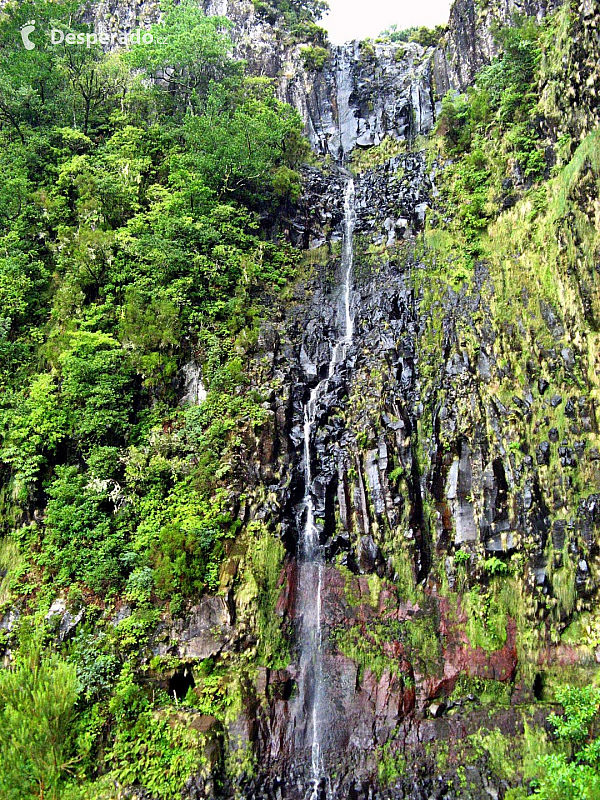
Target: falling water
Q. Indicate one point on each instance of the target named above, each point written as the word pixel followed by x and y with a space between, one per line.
pixel 312 689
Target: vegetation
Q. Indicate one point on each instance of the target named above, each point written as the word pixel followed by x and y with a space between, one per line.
pixel 141 194
pixel 426 37
pixel 314 57
pixel 133 185
pixel 298 17
pixel 573 773
pixel 37 709
pixel 147 250
pixel 491 131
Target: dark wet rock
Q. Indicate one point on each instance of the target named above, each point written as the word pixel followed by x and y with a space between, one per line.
pixel 567 457
pixel 201 634
pixel 559 531
pixel 542 454
pixel 588 515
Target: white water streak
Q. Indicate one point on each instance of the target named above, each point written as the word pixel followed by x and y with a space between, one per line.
pixel 312 572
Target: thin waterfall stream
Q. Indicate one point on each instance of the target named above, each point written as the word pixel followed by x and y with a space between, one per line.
pixel 310 589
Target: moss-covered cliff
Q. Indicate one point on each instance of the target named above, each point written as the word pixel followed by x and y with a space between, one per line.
pixel 173 290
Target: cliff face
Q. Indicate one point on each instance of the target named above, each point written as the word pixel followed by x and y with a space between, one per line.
pixel 463 420
pixel 469 42
pixel 364 91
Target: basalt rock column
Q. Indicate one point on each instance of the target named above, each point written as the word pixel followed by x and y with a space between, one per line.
pixel 313 713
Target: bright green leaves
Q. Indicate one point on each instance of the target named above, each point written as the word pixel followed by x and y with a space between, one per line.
pixel 87 400
pixel 81 541
pixel 15 287
pixel 150 327
pixel 574 776
pixel 159 756
pixel 95 387
pixel 33 428
pixel 453 121
pixel 514 86
pixel 492 134
pixel 130 216
pixel 37 709
pixel 190 52
pixel 579 722
pixel 238 143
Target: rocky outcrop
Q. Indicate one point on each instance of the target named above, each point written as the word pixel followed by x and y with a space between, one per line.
pixel 469 42
pixel 364 93
pixel 417 458
pixel 361 94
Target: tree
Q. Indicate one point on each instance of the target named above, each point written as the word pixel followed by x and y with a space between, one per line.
pixel 296 9
pixel 238 143
pixel 37 709
pixel 190 51
pixel 30 83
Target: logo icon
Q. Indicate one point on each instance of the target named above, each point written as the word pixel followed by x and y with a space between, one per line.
pixel 26 31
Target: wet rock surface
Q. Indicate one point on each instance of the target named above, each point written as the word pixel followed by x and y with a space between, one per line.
pixel 377 467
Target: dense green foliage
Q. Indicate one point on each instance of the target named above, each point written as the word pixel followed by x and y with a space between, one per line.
pixel 491 131
pixel 134 246
pixel 37 709
pixel 298 17
pixel 132 188
pixel 574 774
pixel 426 37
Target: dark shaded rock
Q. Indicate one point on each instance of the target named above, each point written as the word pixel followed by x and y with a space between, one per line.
pixel 543 386
pixel 567 457
pixel 542 454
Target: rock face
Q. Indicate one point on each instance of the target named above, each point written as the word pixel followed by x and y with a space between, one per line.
pixel 364 93
pixel 469 42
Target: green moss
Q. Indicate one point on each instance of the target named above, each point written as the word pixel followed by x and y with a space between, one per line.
pixel 486 619
pixel 484 690
pixel 391 764
pixel 10 564
pixel 365 158
pixel 421 637
pixel 260 590
pixel 500 750
pixel 366 646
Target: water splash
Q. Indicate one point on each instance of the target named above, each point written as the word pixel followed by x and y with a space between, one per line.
pixel 310 589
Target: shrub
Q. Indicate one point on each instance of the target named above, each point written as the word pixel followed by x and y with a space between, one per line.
pixel 314 58
pixel 575 776
pixel 37 709
pixel 82 540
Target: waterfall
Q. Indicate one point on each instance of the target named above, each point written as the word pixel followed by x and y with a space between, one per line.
pixel 312 697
